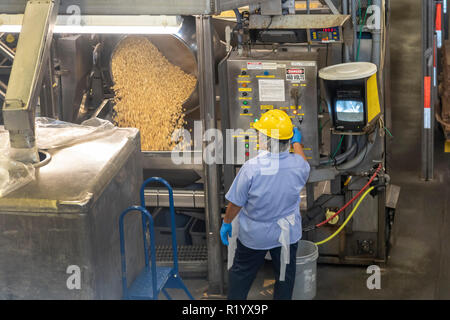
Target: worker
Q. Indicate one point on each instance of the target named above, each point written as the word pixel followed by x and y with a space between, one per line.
pixel 265 198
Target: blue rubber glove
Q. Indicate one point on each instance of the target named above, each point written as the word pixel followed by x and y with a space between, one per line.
pixel 297 138
pixel 225 232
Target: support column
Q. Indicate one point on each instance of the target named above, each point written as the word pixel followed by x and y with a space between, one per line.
pixel 206 74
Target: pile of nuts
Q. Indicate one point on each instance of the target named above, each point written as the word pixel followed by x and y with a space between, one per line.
pixel 149 92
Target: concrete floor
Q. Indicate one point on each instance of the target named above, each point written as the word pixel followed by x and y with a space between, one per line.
pixel 420 260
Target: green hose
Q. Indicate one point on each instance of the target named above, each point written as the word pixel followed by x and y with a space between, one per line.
pixel 369 3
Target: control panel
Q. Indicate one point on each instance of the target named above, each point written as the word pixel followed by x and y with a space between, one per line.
pixel 325 35
pixel 262 82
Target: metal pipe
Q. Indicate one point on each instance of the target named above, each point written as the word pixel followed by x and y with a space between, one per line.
pixel 239 29
pixel 308 11
pixel 376 39
pixel 26 77
pixel 6 51
pixel 355 29
pixel 3 85
pixel 360 157
pixel 206 71
pixel 340 158
pixel 427 127
pixel 346 49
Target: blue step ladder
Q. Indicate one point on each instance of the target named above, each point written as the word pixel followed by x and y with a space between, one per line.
pixel 153 279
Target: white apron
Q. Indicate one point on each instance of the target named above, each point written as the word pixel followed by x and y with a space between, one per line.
pixel 284 240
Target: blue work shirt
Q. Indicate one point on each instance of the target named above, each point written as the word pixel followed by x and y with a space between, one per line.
pixel 267 188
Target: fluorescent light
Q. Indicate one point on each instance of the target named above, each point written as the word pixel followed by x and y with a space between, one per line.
pixel 100 29
pixel 106 25
pixel 116 29
pixel 10 28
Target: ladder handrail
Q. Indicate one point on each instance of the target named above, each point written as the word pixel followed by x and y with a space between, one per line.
pixel 172 215
pixel 145 215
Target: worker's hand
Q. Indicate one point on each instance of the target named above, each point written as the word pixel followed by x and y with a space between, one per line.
pixel 225 232
pixel 297 138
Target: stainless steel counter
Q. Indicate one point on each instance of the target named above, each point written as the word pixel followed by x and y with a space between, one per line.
pixel 69 217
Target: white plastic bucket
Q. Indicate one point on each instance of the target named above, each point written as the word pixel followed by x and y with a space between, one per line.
pixel 306 270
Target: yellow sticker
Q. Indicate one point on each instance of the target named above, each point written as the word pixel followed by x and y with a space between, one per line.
pixel 293 107
pixel 242 76
pixel 245 107
pixel 245 89
pixel 245 98
pixel 272 76
pixel 247 114
pixel 244 81
pixel 10 38
pixel 266 107
pixel 295 85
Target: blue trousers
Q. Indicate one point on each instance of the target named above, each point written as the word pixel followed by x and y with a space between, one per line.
pixel 246 264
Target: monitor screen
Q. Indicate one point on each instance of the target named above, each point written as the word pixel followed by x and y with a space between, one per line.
pixel 349 110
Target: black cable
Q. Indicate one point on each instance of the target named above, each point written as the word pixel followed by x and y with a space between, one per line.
pixel 270 23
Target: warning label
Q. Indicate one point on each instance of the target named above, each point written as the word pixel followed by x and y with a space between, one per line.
pixel 295 75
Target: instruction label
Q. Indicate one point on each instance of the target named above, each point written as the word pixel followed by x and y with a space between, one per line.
pixel 262 65
pixel 271 90
pixel 303 63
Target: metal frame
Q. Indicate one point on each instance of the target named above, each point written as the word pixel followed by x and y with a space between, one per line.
pixel 27 73
pixel 207 95
pixel 429 86
pixel 136 7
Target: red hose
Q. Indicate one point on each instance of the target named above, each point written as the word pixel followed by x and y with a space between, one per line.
pixel 353 199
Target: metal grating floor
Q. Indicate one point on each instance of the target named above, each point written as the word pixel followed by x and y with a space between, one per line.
pixel 192 260
pixel 185 253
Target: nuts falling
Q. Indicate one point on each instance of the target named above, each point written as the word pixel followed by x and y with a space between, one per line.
pixel 150 92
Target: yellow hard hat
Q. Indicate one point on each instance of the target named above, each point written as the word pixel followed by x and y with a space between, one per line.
pixel 275 124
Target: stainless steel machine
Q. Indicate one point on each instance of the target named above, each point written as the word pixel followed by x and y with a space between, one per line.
pixel 279 54
pixel 275 52
pixel 263 81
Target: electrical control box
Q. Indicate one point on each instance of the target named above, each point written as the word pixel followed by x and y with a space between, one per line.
pixel 265 81
pixel 325 35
